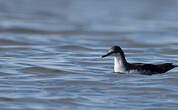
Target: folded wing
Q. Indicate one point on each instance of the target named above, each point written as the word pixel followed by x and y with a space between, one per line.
pixel 152 68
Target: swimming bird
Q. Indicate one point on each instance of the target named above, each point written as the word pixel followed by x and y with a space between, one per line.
pixel 122 66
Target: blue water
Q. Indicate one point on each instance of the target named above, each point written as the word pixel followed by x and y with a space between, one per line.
pixel 50 54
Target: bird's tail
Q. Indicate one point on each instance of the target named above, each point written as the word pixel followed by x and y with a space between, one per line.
pixel 175 65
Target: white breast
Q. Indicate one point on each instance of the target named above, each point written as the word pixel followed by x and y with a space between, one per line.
pixel 118 65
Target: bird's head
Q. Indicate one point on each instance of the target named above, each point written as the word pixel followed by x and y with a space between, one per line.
pixel 114 51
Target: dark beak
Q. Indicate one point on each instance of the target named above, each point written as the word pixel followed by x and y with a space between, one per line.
pixel 108 54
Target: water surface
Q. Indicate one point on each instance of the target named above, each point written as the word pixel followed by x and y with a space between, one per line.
pixel 50 54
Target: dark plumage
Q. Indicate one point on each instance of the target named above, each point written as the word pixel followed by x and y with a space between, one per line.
pixel 122 64
pixel 151 68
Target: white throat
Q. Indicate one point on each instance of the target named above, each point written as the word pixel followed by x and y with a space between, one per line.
pixel 119 65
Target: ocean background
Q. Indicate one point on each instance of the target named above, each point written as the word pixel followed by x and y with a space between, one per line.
pixel 50 54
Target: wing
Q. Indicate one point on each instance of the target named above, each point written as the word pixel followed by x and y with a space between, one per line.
pixel 159 68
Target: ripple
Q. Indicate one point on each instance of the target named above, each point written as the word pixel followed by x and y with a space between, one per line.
pixel 6 99
pixel 75 47
pixel 12 42
pixel 44 71
pixel 80 82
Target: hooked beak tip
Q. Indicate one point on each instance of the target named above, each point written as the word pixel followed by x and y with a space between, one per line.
pixel 102 56
pixel 108 54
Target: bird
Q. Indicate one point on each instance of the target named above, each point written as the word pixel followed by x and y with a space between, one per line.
pixel 122 66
